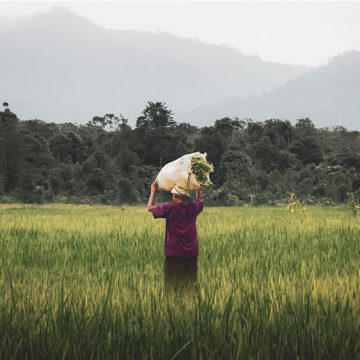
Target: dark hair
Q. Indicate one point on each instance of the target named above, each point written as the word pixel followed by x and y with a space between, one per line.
pixel 184 198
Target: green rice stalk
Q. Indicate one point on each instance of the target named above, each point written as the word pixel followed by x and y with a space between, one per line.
pixel 201 169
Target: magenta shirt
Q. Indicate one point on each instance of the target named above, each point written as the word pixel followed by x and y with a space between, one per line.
pixel 181 238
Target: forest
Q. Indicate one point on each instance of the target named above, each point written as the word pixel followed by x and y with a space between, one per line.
pixel 107 161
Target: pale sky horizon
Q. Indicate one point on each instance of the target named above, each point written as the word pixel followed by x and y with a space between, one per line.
pixel 299 33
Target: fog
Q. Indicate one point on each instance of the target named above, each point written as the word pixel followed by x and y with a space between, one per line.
pixel 306 33
pixel 70 65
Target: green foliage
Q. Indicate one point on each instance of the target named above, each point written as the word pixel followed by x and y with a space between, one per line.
pixel 81 282
pixel 200 169
pixel 96 181
pixel 155 115
pixel 295 204
pixel 127 160
pixel 32 187
pixel 307 150
pixel 354 204
pixel 109 122
pixel 211 142
pixel 11 149
pixel 127 191
pixel 255 162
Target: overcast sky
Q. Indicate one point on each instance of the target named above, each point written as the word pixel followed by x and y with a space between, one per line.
pixel 306 33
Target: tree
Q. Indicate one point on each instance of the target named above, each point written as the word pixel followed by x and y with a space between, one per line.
pixel 236 165
pixel 211 142
pixel 108 158
pixel 61 147
pixel 307 150
pixel 226 126
pixel 279 132
pixel 96 181
pixel 126 160
pixel 122 139
pixel 10 149
pixel 304 128
pixel 127 192
pixel 109 122
pixel 154 116
pixel 156 135
pixel 68 147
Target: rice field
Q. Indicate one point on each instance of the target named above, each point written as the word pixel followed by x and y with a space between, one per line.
pixel 86 282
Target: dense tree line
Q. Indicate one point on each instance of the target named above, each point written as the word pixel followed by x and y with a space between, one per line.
pixel 109 162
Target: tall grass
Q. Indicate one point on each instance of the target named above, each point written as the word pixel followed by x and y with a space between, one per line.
pixel 87 282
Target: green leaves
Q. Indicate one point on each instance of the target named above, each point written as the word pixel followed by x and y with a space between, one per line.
pixel 201 169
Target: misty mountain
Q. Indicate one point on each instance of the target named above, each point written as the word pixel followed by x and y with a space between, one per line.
pixel 61 67
pixel 329 95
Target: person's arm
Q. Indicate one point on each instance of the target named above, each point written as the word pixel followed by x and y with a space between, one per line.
pixel 199 194
pixel 154 187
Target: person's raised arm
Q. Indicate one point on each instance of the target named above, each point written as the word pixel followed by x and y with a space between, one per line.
pixel 199 194
pixel 153 187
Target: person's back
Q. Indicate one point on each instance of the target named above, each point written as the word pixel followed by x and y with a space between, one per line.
pixel 181 239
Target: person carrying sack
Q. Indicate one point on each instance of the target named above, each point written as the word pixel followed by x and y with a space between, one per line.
pixel 181 238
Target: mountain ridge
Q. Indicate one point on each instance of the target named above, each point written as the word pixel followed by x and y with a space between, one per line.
pixel 61 67
pixel 326 94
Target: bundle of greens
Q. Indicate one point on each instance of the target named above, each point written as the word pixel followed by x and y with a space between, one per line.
pixel 201 169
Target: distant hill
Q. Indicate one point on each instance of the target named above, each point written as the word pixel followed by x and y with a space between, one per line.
pixel 61 67
pixel 329 95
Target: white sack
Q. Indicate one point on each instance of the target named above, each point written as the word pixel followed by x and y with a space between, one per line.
pixel 178 172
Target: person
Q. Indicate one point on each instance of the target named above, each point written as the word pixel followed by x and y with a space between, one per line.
pixel 181 238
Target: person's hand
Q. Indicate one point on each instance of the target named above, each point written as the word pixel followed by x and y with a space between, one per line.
pixel 199 194
pixel 154 187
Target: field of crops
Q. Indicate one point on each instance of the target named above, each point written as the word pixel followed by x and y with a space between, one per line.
pixel 82 282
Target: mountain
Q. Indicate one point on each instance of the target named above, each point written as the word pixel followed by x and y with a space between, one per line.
pixel 61 67
pixel 328 95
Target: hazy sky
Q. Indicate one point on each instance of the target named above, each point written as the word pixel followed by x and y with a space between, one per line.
pixel 287 32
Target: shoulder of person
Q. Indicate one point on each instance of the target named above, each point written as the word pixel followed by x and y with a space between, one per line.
pixel 198 201
pixel 167 204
